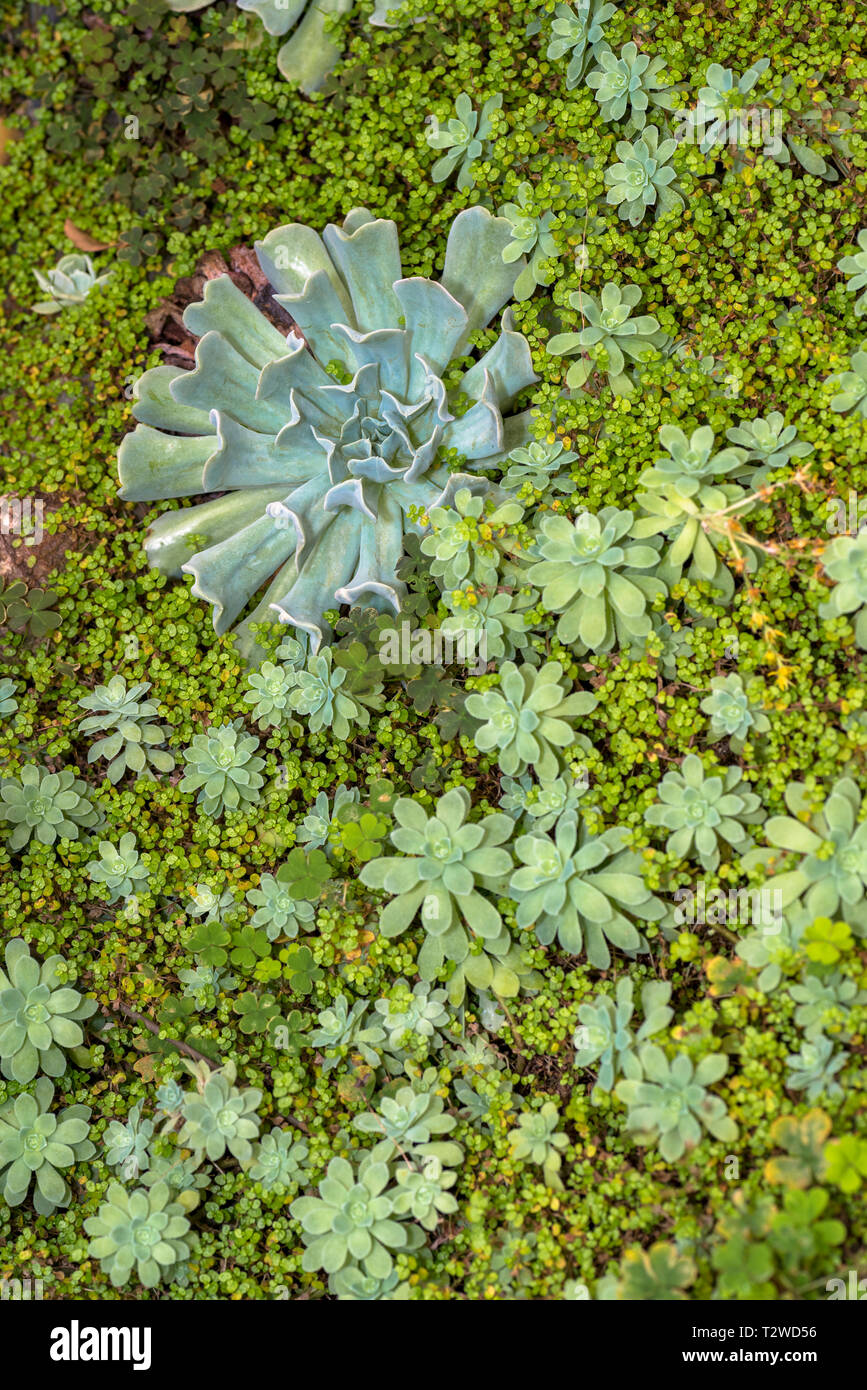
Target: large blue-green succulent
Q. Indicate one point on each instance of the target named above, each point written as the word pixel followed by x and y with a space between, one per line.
pixel 322 475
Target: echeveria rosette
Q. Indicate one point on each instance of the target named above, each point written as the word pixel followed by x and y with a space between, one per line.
pixel 345 1026
pixel 223 768
pixel 314 828
pixel 463 136
pixel 845 562
pixel 604 1037
pixel 321 479
pixel 144 1232
pixel 851 386
pixel 447 870
pixel 50 805
pixel 542 803
pixel 411 1119
pixel 855 268
pixel 220 1116
pixel 579 30
pixel 36 1146
pixel 469 536
pixel 830 876
pixel 532 238
pixel 592 580
pixel 126 1143
pixel 528 717
pixel 770 443
pixel 732 714
pixel 132 739
pixel 39 1016
pixel 717 114
pixel 539 464
pixel 319 694
pixel 690 461
pixel 68 284
pixel 420 1014
pixel 825 1003
pixel 610 336
pixel 814 1067
pixel 8 703
pixel 643 177
pixel 277 910
pixel 697 524
pixel 629 81
pixel 583 890
pixel 120 868
pixel 535 1139
pixel 672 1102
pixel 703 810
pixel 351 1221
pixel 279 1161
pixel 270 694
pixel 500 617
pixel 423 1193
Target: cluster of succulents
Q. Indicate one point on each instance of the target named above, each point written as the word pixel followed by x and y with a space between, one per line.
pixel 383 455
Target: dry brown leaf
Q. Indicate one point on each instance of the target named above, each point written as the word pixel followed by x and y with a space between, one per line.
pixel 82 240
pixel 145 1067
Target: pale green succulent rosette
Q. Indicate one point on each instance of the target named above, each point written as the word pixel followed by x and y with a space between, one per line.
pixel 322 479
pixel 39 1016
pixel 830 877
pixel 36 1146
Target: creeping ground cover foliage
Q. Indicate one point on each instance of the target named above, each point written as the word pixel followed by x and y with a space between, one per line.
pixel 433 640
